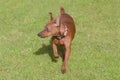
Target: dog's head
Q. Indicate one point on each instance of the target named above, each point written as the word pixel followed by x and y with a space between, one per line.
pixel 53 27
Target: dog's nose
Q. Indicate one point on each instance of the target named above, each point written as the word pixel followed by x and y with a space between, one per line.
pixel 38 34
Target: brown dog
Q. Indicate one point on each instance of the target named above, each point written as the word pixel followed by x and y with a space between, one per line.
pixel 62 29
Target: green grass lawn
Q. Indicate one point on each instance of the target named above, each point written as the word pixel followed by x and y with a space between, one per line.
pixel 95 50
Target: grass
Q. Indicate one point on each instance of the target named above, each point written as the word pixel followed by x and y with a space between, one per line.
pixel 95 50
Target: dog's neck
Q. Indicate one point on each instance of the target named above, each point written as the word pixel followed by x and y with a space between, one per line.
pixel 62 35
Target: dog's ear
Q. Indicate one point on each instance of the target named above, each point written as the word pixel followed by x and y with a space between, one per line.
pixel 58 21
pixel 62 11
pixel 51 17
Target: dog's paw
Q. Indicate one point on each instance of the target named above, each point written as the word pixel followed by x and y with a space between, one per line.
pixel 63 70
pixel 56 56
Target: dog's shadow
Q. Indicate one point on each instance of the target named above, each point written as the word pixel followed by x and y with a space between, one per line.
pixel 45 49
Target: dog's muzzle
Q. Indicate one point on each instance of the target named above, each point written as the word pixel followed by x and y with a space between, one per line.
pixel 40 34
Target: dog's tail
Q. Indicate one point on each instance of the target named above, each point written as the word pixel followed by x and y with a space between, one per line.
pixel 62 11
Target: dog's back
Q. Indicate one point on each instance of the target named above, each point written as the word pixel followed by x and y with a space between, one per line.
pixel 67 20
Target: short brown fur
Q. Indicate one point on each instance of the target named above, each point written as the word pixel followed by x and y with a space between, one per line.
pixel 62 29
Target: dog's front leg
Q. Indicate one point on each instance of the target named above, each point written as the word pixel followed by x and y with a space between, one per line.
pixel 55 52
pixel 66 57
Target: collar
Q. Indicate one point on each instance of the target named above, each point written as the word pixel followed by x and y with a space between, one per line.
pixel 63 35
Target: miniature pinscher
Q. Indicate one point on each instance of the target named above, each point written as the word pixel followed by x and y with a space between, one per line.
pixel 62 29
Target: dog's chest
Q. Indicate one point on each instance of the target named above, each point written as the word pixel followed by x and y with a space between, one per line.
pixel 60 42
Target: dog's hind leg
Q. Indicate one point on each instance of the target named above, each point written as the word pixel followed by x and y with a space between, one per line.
pixel 63 53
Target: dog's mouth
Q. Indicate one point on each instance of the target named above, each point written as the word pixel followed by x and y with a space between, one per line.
pixel 41 35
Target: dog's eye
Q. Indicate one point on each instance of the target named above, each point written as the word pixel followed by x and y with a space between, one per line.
pixel 46 29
